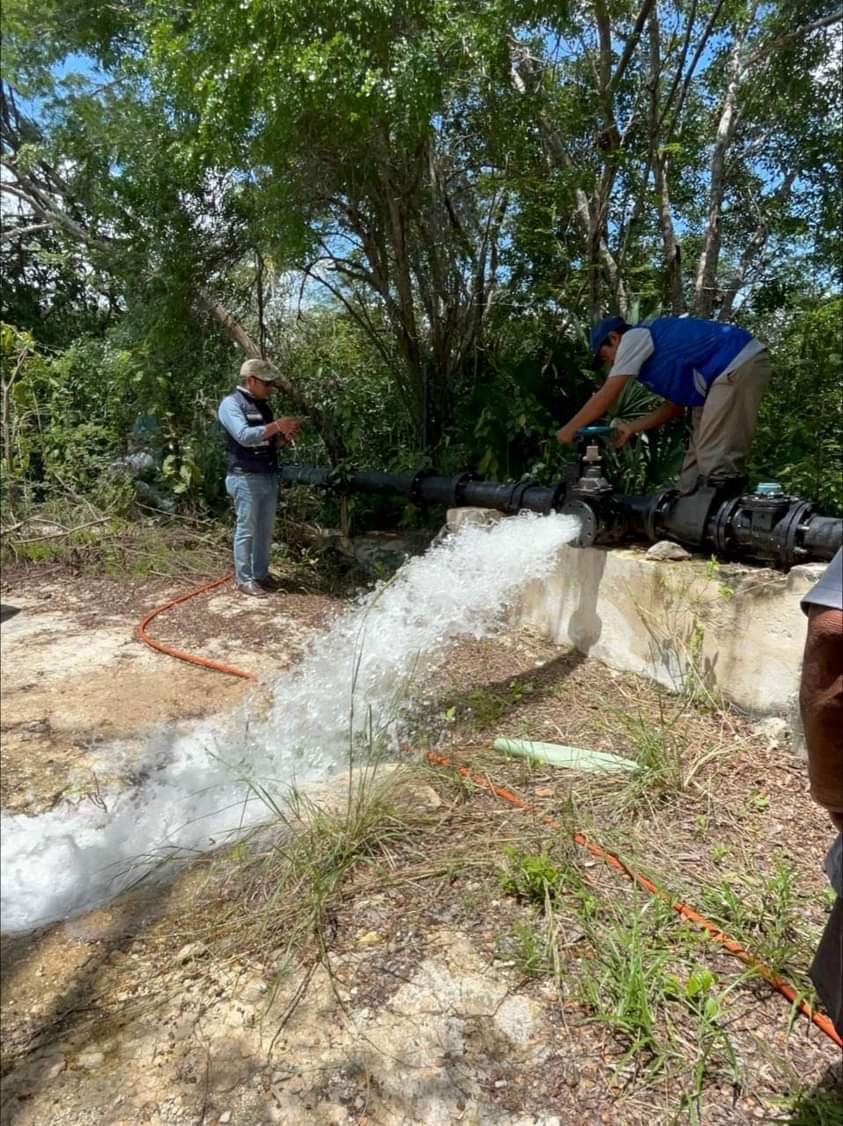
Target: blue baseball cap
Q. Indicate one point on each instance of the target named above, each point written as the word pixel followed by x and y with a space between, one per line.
pixel 600 334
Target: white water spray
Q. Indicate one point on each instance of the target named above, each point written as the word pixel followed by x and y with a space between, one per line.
pixel 353 683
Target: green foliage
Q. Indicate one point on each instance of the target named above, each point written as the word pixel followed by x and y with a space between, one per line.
pixel 458 181
pixel 530 877
pixel 71 416
pixel 344 375
pixel 650 459
pixel 799 440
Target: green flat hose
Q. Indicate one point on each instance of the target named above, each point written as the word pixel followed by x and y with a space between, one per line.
pixel 574 758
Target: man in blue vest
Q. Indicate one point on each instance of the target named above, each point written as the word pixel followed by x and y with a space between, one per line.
pixel 253 437
pixel 717 370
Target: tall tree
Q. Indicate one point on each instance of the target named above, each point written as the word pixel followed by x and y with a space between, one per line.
pixel 432 165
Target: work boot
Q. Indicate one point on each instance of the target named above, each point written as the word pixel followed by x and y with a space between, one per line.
pixel 727 484
pixel 269 582
pixel 252 588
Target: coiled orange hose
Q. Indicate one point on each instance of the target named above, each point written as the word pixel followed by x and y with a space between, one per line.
pixel 180 654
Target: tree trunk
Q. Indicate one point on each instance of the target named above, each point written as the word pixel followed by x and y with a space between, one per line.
pixel 752 250
pixel 706 283
pixel 670 247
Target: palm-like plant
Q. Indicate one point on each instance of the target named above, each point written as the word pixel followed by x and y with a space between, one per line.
pixel 650 459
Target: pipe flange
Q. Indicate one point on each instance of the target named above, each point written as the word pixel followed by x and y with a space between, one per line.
pixel 513 504
pixel 415 492
pixel 788 532
pixel 720 528
pixel 458 487
pixel 588 522
pixel 661 501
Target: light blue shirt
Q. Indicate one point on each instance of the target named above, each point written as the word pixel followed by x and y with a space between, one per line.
pixel 232 418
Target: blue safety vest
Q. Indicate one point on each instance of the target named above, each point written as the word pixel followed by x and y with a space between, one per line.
pixel 689 355
pixel 252 459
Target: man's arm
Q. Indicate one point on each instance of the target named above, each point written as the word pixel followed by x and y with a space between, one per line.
pixel 232 419
pixel 234 422
pixel 657 417
pixel 595 408
pixel 634 349
pixel 821 706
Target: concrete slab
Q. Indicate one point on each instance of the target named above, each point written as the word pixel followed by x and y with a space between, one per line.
pixel 731 629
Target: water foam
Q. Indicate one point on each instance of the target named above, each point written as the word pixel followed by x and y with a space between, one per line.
pixel 351 687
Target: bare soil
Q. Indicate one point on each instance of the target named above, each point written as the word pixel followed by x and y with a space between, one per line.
pixel 76 675
pixel 416 1001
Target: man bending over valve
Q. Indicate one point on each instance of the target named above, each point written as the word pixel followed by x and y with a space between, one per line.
pixel 717 370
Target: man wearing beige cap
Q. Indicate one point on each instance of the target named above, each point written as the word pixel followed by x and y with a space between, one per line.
pixel 253 438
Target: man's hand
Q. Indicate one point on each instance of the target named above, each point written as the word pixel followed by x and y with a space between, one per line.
pixel 595 408
pixel 289 427
pixel 623 432
pixel 567 436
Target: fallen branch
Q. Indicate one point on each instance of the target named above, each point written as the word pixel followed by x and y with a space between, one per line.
pixel 63 534
pixel 175 515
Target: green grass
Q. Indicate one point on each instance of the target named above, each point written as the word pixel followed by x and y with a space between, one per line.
pixel 527 946
pixel 116 544
pixel 638 968
pixel 530 877
pixel 482 708
pixel 296 885
pixel 627 983
pixel 811 1108
pixel 764 912
pixel 658 747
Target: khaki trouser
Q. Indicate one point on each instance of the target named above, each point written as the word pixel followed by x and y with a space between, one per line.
pixel 721 429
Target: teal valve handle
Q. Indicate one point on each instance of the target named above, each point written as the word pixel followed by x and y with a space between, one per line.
pixel 593 431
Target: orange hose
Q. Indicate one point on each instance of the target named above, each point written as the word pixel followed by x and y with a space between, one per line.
pixel 179 654
pixel 785 988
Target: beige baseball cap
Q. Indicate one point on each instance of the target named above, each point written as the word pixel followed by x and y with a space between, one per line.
pixel 259 369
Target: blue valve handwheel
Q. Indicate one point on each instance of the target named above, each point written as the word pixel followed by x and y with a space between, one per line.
pixel 589 431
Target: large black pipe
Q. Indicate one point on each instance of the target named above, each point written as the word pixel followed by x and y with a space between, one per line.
pixel 822 537
pixel 770 527
pixel 429 488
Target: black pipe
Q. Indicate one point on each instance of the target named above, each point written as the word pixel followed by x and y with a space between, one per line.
pixel 429 488
pixel 821 538
pixel 771 528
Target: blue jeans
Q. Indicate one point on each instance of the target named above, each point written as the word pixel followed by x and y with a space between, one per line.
pixel 255 497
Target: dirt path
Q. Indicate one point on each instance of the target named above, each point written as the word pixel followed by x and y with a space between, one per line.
pixel 443 995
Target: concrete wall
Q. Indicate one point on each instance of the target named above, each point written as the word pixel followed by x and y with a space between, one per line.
pixel 734 630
